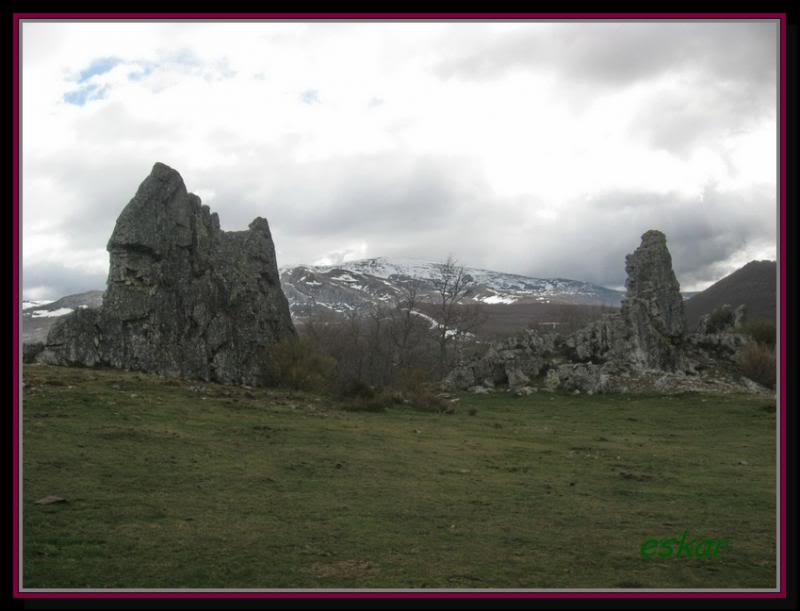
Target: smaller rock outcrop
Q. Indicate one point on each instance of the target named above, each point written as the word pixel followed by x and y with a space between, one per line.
pixel 30 352
pixel 512 362
pixel 644 346
pixel 724 319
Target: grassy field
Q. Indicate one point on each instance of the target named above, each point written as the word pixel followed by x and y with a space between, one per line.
pixel 175 485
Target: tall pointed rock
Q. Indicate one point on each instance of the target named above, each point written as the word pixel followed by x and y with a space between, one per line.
pixel 184 298
pixel 653 307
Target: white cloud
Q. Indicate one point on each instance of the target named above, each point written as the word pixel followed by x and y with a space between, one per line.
pixel 353 252
pixel 321 127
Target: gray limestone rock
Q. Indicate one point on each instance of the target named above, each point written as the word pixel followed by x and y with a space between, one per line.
pixel 183 298
pixel 724 319
pixel 31 351
pixel 721 344
pixel 512 362
pixel 653 307
pixel 643 346
pixel 702 324
pixel 551 380
pixel 460 378
pixel 584 377
pixel 648 333
pixel 516 378
pixel 598 341
pixel 524 391
pixel 739 316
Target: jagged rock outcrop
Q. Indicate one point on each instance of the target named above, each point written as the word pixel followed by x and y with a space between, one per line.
pixel 718 336
pixel 601 340
pixel 647 334
pixel 513 361
pixel 724 319
pixel 183 298
pixel 644 346
pixel 653 307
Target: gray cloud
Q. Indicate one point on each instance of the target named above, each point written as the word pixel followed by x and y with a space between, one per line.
pixel 59 280
pixel 718 79
pixel 429 207
pixel 374 194
pixel 704 235
pixel 394 203
pixel 702 114
pixel 114 123
pixel 727 72
pixel 101 187
pixel 619 54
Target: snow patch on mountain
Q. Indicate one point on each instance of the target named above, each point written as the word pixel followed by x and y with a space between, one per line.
pixel 51 313
pixel 493 299
pixel 344 278
pixel 368 283
pixel 29 304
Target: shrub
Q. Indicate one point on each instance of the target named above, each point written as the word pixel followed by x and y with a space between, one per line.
pixel 757 362
pixel 376 403
pixel 354 388
pixel 295 363
pixel 398 398
pixel 551 380
pixel 424 400
pixel 762 331
pixel 720 319
pixel 410 379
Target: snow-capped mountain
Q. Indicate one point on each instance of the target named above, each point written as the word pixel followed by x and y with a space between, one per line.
pixel 513 300
pixel 357 284
pixel 39 315
pixel 29 304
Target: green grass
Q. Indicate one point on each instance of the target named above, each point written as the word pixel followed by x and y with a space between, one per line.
pixel 173 486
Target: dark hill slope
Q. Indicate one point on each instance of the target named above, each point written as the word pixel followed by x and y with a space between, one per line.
pixel 752 285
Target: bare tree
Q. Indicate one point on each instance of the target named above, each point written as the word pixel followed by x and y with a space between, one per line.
pixel 469 318
pixel 452 284
pixel 403 344
pixel 379 349
pixel 407 327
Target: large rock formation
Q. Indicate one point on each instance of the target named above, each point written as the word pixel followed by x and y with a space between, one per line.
pixel 653 307
pixel 644 346
pixel 647 334
pixel 183 298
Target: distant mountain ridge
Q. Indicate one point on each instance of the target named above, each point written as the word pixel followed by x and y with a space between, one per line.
pixel 38 315
pixel 515 298
pixel 753 285
pixel 357 284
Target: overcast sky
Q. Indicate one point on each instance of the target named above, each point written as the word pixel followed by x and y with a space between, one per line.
pixel 536 148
